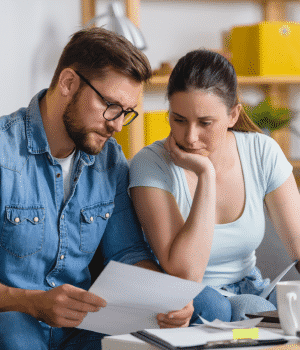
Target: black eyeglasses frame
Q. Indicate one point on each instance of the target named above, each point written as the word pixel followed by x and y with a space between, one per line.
pixel 108 104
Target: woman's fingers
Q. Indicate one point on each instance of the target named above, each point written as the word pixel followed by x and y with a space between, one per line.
pixel 179 318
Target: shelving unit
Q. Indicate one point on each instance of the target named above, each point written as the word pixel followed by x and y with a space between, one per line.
pixel 275 87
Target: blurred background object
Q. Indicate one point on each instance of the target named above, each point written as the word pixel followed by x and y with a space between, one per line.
pixel 268 117
pixel 115 20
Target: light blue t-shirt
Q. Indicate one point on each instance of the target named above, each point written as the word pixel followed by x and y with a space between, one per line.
pixel 265 168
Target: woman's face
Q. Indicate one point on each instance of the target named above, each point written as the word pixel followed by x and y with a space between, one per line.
pixel 199 121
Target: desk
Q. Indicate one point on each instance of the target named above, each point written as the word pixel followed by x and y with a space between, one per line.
pixel 129 342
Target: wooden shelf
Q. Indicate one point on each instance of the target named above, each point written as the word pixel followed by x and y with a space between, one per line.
pixel 296 170
pixel 162 81
pixel 275 87
pixel 269 79
pixel 296 164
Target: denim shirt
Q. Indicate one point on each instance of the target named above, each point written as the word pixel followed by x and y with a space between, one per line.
pixel 44 241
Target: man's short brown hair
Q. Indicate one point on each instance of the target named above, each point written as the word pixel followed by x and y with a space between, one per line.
pixel 93 51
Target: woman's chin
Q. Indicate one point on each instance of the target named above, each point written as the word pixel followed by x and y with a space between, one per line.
pixel 201 152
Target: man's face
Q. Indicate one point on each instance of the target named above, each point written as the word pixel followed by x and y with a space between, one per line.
pixel 83 117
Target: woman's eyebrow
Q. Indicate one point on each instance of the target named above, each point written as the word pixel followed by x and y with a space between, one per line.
pixel 181 116
pixel 178 115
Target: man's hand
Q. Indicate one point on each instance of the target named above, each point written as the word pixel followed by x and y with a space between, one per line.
pixel 65 306
pixel 176 319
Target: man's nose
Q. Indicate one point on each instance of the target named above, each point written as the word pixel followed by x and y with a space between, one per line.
pixel 116 124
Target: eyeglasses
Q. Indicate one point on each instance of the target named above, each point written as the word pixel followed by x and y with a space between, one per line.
pixel 113 111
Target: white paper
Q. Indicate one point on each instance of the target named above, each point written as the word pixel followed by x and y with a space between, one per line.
pixel 266 292
pixel 201 334
pixel 232 325
pixel 134 297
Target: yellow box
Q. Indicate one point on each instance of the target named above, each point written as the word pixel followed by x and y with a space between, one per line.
pixel 156 124
pixel 156 127
pixel 122 138
pixel 266 48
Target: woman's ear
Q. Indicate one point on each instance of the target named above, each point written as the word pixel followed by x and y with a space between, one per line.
pixel 234 115
pixel 68 82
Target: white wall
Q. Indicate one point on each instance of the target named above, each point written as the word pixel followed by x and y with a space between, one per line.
pixel 33 33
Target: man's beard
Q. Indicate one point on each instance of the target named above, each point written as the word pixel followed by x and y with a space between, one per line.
pixel 79 135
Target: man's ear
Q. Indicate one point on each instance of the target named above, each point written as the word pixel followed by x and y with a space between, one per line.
pixel 234 115
pixel 68 82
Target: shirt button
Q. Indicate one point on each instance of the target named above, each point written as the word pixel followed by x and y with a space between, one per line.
pixel 107 215
pixel 62 217
pixel 62 257
pixel 91 219
pixel 58 175
pixel 36 219
pixel 53 284
pixel 17 219
pixel 75 179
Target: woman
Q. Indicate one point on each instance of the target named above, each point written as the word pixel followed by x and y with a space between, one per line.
pixel 200 193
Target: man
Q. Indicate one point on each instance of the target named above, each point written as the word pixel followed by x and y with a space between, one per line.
pixel 64 193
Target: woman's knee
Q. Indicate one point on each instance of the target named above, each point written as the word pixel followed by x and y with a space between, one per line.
pixel 248 303
pixel 210 304
pixel 20 331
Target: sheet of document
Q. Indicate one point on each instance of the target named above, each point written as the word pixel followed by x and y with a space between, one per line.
pixel 232 325
pixel 265 293
pixel 198 335
pixel 134 297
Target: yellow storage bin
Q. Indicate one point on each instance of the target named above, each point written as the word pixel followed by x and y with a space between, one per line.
pixel 123 139
pixel 266 48
pixel 156 127
pixel 156 124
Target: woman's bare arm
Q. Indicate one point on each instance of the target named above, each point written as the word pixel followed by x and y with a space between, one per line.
pixel 182 248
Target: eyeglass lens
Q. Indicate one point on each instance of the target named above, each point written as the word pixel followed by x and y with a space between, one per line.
pixel 114 111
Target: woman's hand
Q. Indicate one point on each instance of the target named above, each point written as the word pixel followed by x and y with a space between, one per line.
pixel 176 319
pixel 190 161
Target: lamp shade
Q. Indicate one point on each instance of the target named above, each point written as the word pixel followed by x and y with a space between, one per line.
pixel 116 21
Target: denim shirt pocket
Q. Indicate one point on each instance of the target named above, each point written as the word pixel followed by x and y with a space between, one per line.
pixel 23 230
pixel 93 223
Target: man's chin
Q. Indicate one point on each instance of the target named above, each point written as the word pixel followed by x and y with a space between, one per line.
pixel 94 145
pixel 91 149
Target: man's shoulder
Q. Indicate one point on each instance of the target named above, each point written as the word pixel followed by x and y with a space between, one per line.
pixel 14 120
pixel 13 141
pixel 13 129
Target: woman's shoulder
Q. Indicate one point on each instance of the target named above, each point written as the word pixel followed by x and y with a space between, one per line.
pixel 154 151
pixel 152 167
pixel 255 141
pixel 251 136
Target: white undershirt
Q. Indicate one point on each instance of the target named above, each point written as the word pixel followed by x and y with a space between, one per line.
pixel 66 165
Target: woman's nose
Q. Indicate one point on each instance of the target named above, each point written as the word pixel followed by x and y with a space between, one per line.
pixel 192 135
